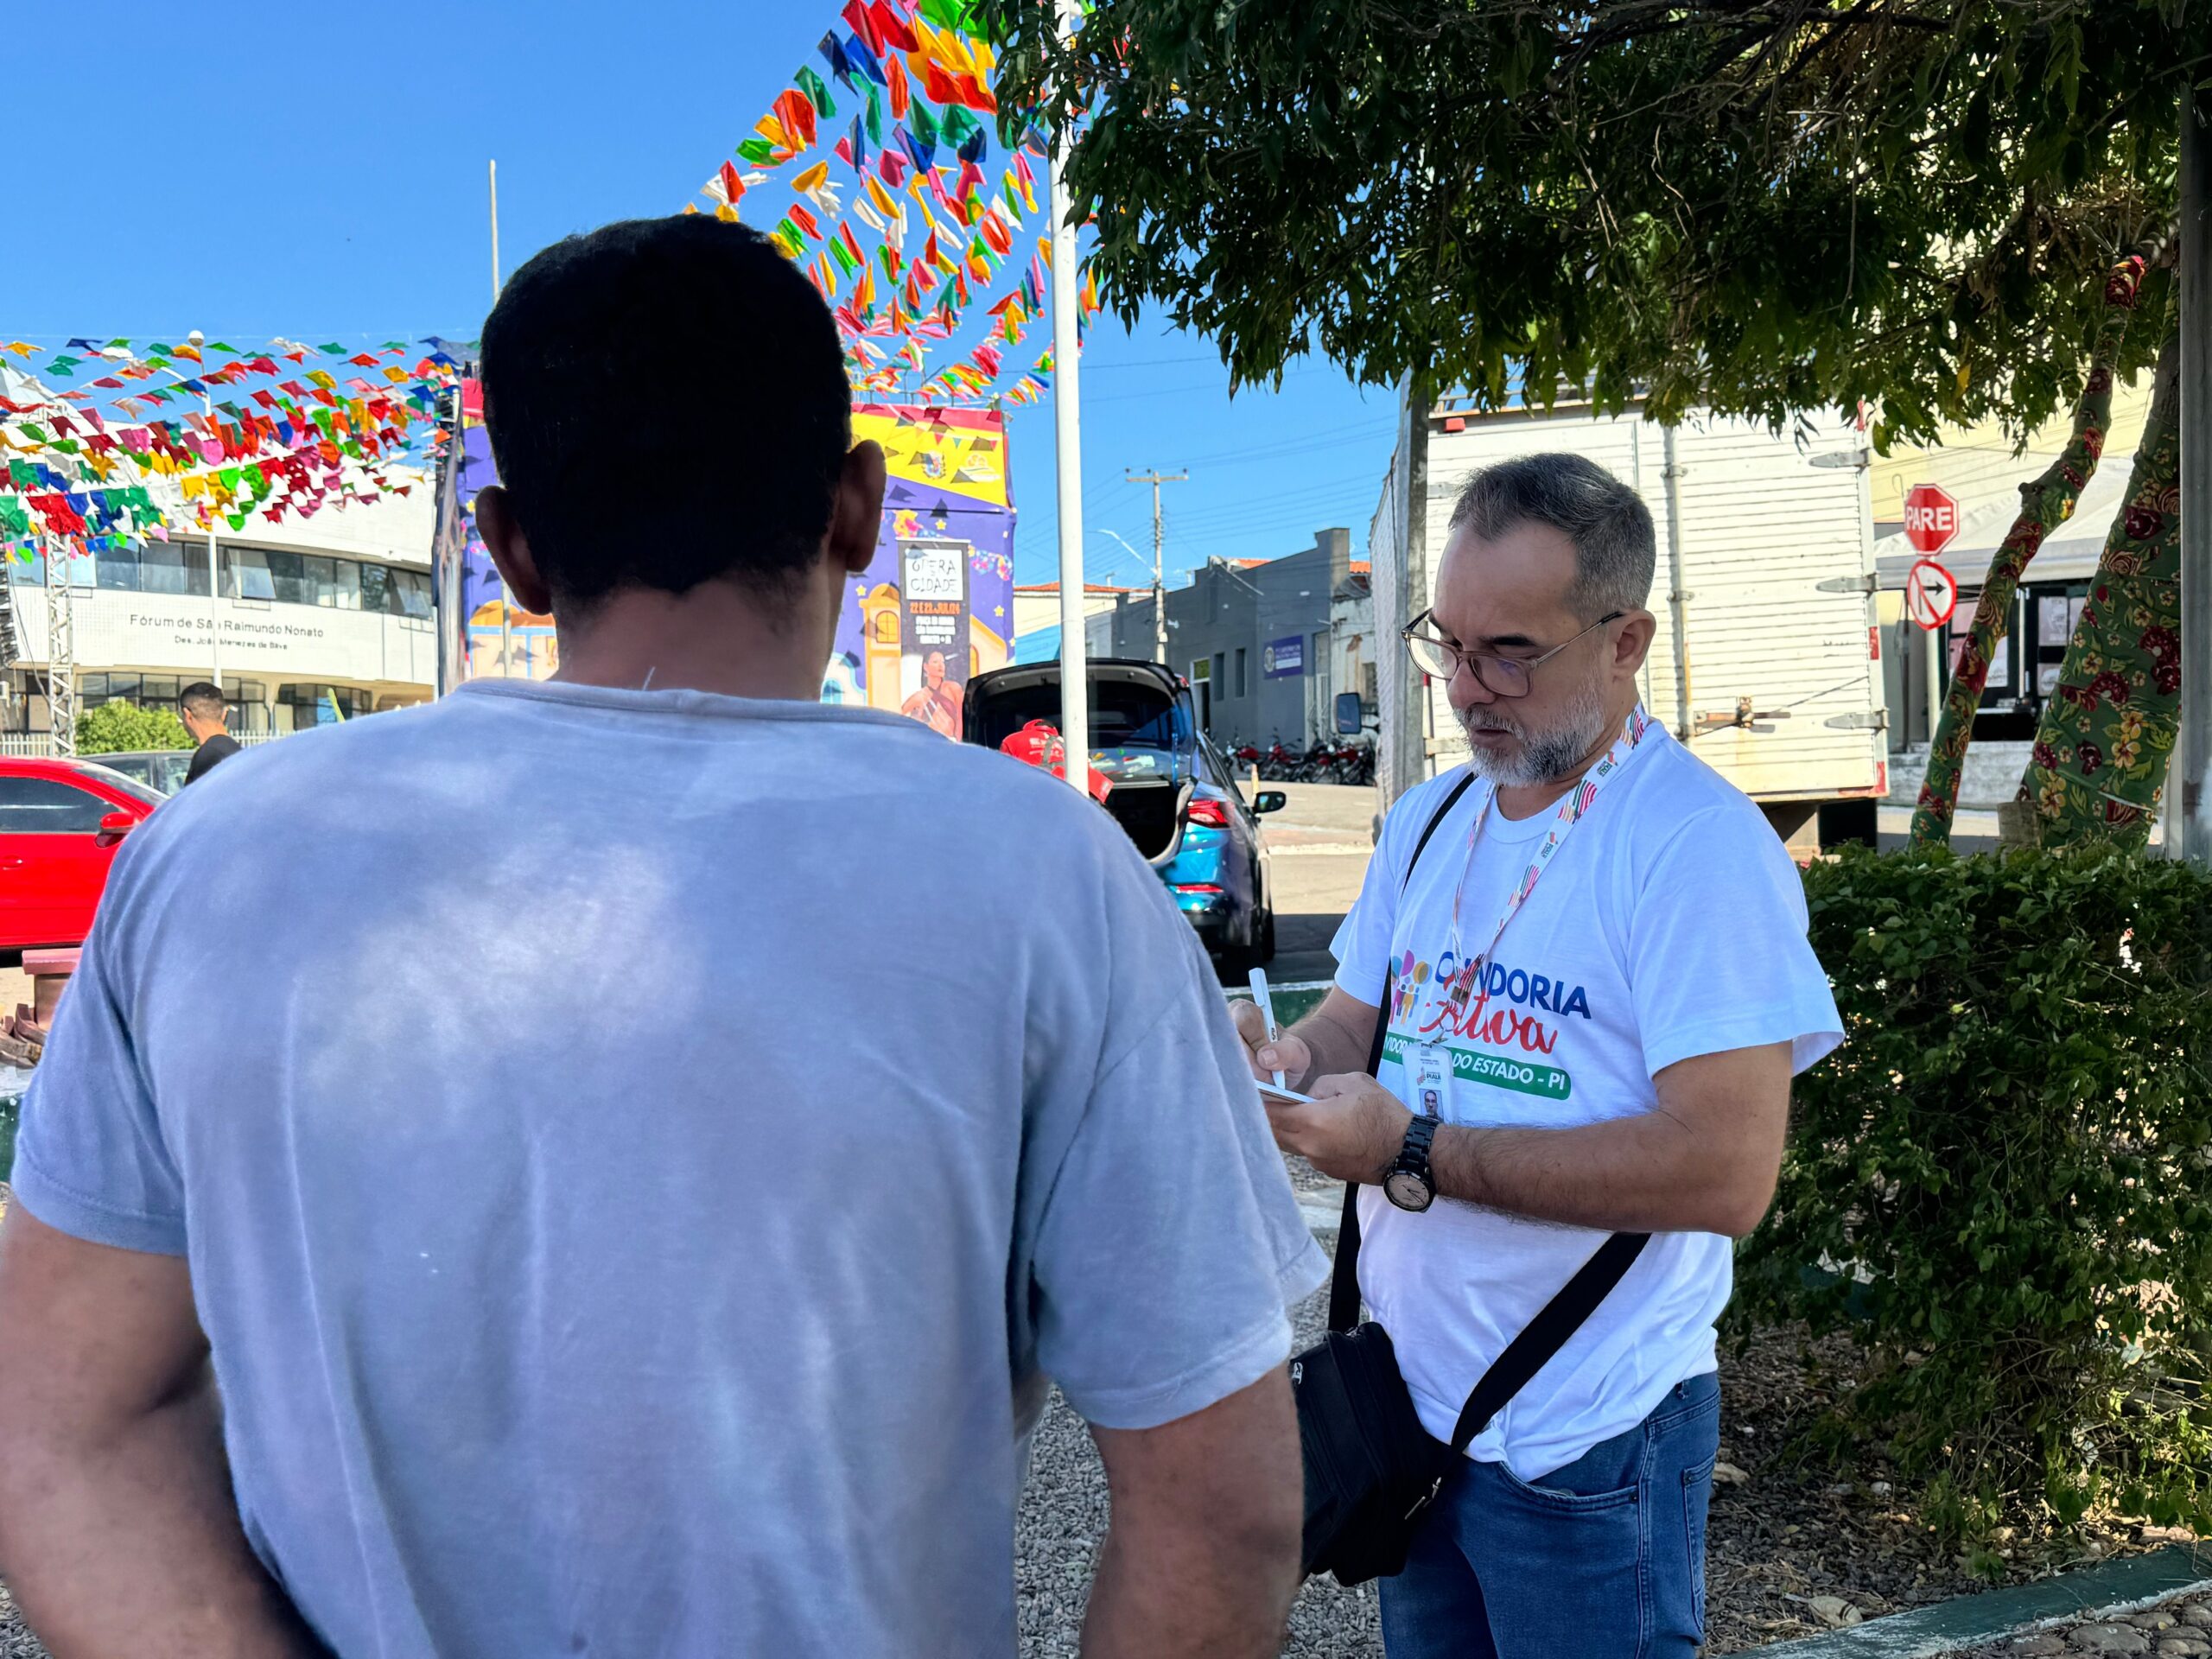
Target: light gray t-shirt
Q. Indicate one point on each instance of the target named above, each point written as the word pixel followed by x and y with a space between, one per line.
pixel 639 1155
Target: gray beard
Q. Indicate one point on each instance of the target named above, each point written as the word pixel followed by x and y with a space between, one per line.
pixel 1544 757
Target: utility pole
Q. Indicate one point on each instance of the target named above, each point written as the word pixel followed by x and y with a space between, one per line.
pixel 1159 541
pixel 61 650
pixel 496 285
pixel 506 593
pixel 2189 830
pixel 214 575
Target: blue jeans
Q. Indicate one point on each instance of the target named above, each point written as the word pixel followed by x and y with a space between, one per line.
pixel 1601 1559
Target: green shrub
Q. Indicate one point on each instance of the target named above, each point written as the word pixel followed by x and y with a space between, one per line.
pixel 119 728
pixel 2002 1185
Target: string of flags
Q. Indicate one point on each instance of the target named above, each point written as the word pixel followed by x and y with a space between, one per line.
pixel 899 186
pixel 112 442
pixel 890 198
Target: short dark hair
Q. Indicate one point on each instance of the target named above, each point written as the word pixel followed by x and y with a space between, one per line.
pixel 203 699
pixel 667 403
pixel 1615 551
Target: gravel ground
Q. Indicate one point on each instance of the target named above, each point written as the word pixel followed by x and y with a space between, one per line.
pixel 15 1642
pixel 1792 1549
pixel 1063 1515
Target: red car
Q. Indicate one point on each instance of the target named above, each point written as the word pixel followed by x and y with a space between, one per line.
pixel 61 822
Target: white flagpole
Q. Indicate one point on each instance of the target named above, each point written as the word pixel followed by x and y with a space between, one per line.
pixel 1075 702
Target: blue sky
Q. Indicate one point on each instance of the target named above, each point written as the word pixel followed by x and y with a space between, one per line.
pixel 319 172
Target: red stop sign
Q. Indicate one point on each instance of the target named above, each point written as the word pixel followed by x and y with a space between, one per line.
pixel 1931 518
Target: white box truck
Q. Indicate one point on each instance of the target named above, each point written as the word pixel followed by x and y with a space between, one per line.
pixel 1767 659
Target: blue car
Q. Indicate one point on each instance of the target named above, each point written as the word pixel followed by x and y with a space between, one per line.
pixel 1172 792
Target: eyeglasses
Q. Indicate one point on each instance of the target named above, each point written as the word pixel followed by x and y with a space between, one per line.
pixel 1501 676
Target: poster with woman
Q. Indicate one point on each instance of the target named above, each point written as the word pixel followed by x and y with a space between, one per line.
pixel 935 607
pixel 933 631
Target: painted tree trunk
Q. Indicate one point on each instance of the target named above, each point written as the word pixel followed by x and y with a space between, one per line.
pixel 2107 735
pixel 2046 502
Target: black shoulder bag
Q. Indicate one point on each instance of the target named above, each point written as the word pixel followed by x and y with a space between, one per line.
pixel 1372 1468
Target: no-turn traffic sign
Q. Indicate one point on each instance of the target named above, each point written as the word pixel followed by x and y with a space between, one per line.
pixel 1931 518
pixel 1931 593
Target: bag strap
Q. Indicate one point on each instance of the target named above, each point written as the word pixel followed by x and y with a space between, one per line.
pixel 1344 1283
pixel 1546 1334
pixel 1558 1318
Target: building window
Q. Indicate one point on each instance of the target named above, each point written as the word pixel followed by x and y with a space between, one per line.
pixel 247 574
pixel 330 583
pixel 343 590
pixel 413 587
pixel 156 567
pixel 146 690
pixel 318 582
pixel 246 711
pixel 299 707
pixel 1240 671
pixel 1221 672
pixel 886 627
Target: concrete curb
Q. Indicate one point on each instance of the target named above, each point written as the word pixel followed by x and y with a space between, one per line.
pixel 2127 1585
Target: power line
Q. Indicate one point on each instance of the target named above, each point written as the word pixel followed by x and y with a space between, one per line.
pixel 1253 454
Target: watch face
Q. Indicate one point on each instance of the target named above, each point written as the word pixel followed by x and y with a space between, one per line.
pixel 1407 1190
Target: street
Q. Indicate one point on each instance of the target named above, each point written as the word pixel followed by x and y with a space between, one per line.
pixel 1318 851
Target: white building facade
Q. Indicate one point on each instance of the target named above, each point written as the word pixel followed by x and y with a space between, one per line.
pixel 310 621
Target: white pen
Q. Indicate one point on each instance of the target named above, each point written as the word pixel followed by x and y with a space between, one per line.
pixel 1267 1009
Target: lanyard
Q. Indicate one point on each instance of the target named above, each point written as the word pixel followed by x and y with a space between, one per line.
pixel 1578 801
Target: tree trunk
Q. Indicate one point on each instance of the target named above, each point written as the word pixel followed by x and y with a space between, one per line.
pixel 2046 502
pixel 2105 737
pixel 1410 761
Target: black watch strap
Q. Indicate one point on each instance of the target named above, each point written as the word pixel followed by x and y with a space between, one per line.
pixel 1413 1155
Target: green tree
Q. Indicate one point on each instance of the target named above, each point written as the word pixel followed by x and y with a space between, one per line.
pixel 2047 501
pixel 1764 206
pixel 2104 743
pixel 120 728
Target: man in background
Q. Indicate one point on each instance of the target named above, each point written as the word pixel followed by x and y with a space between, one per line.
pixel 204 707
pixel 604 1242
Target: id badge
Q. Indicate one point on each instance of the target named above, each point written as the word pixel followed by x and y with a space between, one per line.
pixel 1431 1080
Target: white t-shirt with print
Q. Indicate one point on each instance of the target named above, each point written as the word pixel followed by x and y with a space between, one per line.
pixel 1669 923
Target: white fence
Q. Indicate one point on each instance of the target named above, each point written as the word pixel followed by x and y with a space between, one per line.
pixel 38 745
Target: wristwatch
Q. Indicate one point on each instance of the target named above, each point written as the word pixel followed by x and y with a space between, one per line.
pixel 1407 1183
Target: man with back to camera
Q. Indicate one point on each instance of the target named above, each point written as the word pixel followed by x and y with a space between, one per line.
pixel 603 1242
pixel 204 706
pixel 1609 1049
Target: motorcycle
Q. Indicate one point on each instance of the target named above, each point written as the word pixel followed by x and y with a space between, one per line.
pixel 1353 764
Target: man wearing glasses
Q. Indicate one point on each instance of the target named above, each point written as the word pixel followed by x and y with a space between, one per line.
pixel 1597 969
